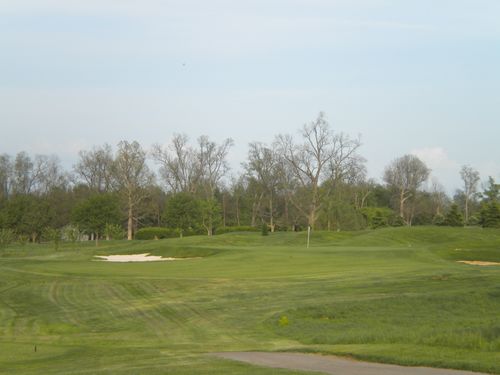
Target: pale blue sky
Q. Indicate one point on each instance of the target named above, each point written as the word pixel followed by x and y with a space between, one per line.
pixel 409 76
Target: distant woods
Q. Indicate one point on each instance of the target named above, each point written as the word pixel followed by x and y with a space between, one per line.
pixel 185 186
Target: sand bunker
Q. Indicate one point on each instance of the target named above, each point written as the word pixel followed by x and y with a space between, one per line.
pixel 479 263
pixel 146 257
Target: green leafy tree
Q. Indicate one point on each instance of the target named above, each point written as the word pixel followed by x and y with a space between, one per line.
pixel 490 215
pixel 71 233
pixel 492 192
pixel 27 215
pixel 54 235
pixel 377 217
pixel 264 229
pixel 93 214
pixel 113 231
pixel 61 202
pixel 490 210
pixel 210 215
pixel 453 217
pixel 439 219
pixel 182 212
pixel 6 237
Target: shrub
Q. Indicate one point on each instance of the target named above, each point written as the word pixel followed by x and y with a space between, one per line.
pixel 155 233
pixel 71 233
pixel 6 237
pixel 264 229
pixel 241 228
pixel 473 220
pixel 454 218
pixel 377 217
pixel 23 239
pixel 114 232
pixel 438 219
pixel 490 215
pixel 396 221
pixel 53 235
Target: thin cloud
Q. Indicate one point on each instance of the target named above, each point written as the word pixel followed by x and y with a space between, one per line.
pixel 389 25
pixel 443 168
pixel 435 158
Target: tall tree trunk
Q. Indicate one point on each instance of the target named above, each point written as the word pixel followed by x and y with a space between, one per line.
pixel 329 217
pixel 271 212
pixel 286 212
pixel 402 204
pixel 254 204
pixel 130 223
pixel 256 207
pixel 210 227
pixel 363 199
pixel 224 210
pixel 466 210
pixel 311 218
pixel 238 210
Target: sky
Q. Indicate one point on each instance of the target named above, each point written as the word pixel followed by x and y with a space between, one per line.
pixel 413 76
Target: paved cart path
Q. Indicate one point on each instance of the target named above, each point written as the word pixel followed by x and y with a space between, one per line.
pixel 332 364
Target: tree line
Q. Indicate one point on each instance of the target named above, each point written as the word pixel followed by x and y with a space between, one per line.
pixel 316 180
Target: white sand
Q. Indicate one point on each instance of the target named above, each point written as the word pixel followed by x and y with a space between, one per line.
pixel 479 263
pixel 136 258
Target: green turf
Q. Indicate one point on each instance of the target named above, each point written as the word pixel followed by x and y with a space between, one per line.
pixel 395 295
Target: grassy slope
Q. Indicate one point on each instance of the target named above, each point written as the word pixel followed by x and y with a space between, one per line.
pixel 393 295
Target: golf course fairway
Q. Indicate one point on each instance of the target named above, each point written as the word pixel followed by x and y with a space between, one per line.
pixel 394 295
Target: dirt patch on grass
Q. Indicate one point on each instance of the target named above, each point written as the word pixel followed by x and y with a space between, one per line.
pixel 146 257
pixel 479 263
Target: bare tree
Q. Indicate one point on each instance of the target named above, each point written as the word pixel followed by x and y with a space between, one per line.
pixel 197 171
pixel 405 175
pixel 47 173
pixel 264 165
pixel 179 164
pixel 213 167
pixel 316 160
pixel 238 187
pixel 94 168
pixel 213 163
pixel 186 169
pixel 22 177
pixel 132 176
pixel 362 191
pixel 5 176
pixel 470 177
pixel 438 197
pixel 38 175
